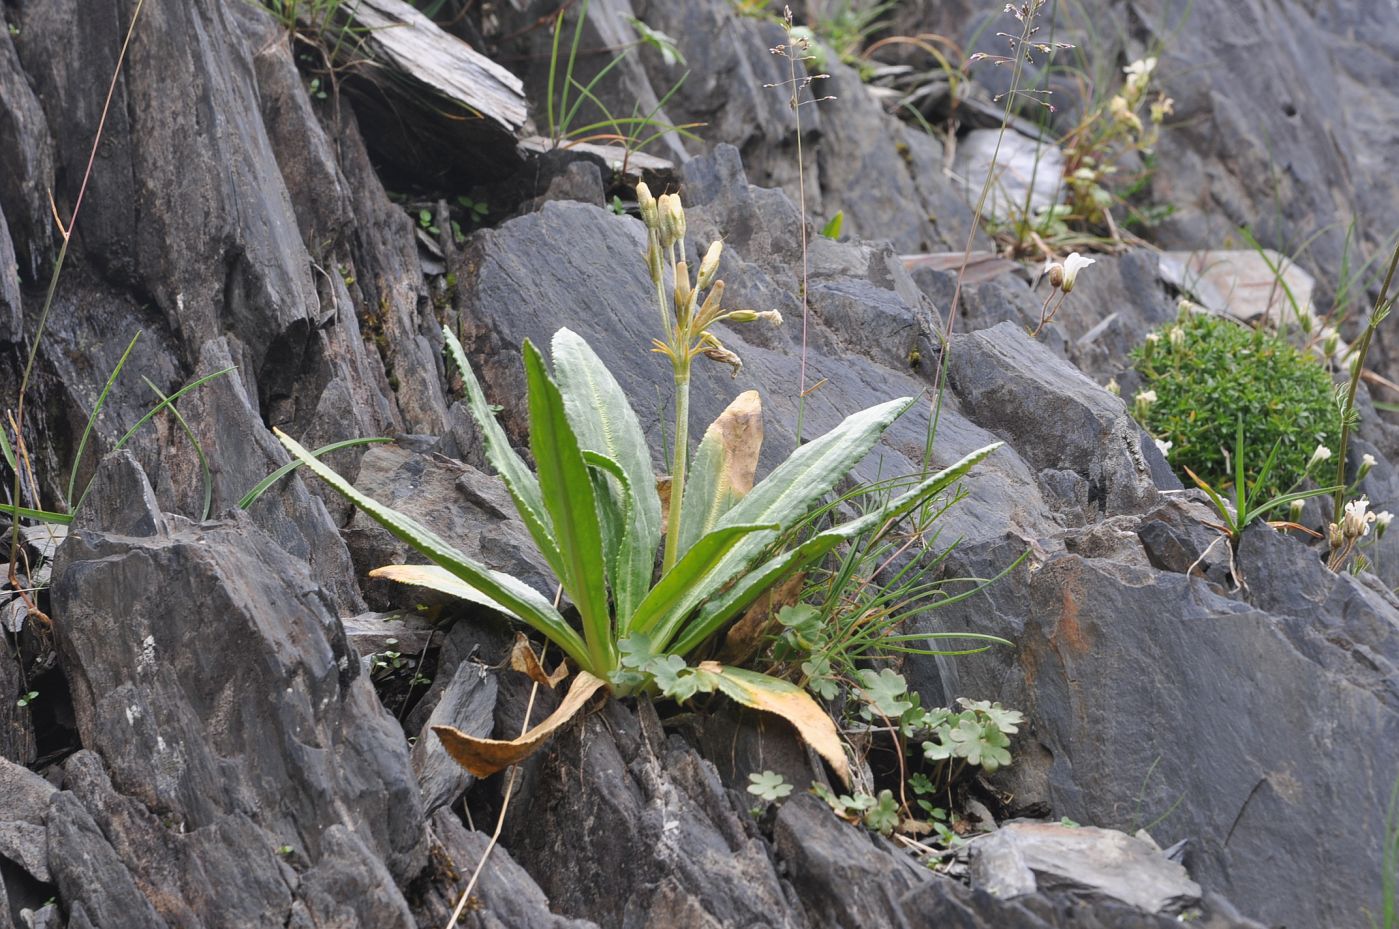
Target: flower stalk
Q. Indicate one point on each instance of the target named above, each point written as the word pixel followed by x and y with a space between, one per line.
pixel 1383 304
pixel 685 322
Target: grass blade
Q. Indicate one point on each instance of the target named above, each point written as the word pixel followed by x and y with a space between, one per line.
pixel 208 477
pixel 126 437
pixel 262 486
pixel 92 417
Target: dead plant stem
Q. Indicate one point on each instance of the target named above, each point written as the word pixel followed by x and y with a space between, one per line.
pixel 66 231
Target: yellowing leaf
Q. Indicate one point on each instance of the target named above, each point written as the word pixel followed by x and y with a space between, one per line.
pixel 484 757
pixel 723 467
pixel 741 428
pixel 440 579
pixel 524 660
pixel 746 636
pixel 791 703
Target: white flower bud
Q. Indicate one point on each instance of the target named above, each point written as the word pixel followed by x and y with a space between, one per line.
pixel 647 203
pixel 710 265
pixel 1321 454
pixel 1141 403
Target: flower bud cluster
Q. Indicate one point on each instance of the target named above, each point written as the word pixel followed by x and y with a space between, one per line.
pixel 692 305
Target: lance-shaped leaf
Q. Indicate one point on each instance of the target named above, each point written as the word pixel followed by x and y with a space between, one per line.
pixel 788 701
pixel 566 485
pixel 514 595
pixel 680 582
pixel 484 757
pixel 605 423
pixel 519 481
pixel 784 497
pixel 714 614
pixel 723 467
pixel 438 578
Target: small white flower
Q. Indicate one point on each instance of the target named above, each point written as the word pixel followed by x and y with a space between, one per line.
pixel 1165 446
pixel 1072 265
pixel 1153 337
pixel 1141 404
pixel 1177 337
pixel 1383 518
pixel 1367 461
pixel 1356 521
pixel 1321 454
pixel 1140 68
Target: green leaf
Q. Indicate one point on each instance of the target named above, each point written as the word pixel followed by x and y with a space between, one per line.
pixel 769 785
pixel 605 422
pixel 883 816
pixel 6 449
pixel 43 516
pixel 516 596
pixel 749 586
pixel 614 511
pixel 783 498
pixel 1004 719
pixel 436 577
pixel 832 229
pixel 980 743
pixel 884 692
pixel 689 574
pixel 520 482
pixel 673 677
pixel 566 486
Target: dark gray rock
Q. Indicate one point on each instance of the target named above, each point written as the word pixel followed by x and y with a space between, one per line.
pixel 91 875
pixel 16 724
pixel 241 717
pixel 468 703
pixel 1241 726
pixel 1053 415
pixel 11 310
pixel 26 169
pixel 505 896
pixel 692 855
pixel 841 875
pixel 349 887
pixel 24 801
pixel 469 508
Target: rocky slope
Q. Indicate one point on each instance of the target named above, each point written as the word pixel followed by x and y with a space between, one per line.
pixel 207 748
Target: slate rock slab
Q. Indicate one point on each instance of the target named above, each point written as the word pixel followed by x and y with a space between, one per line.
pixel 236 731
pixel 1021 858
